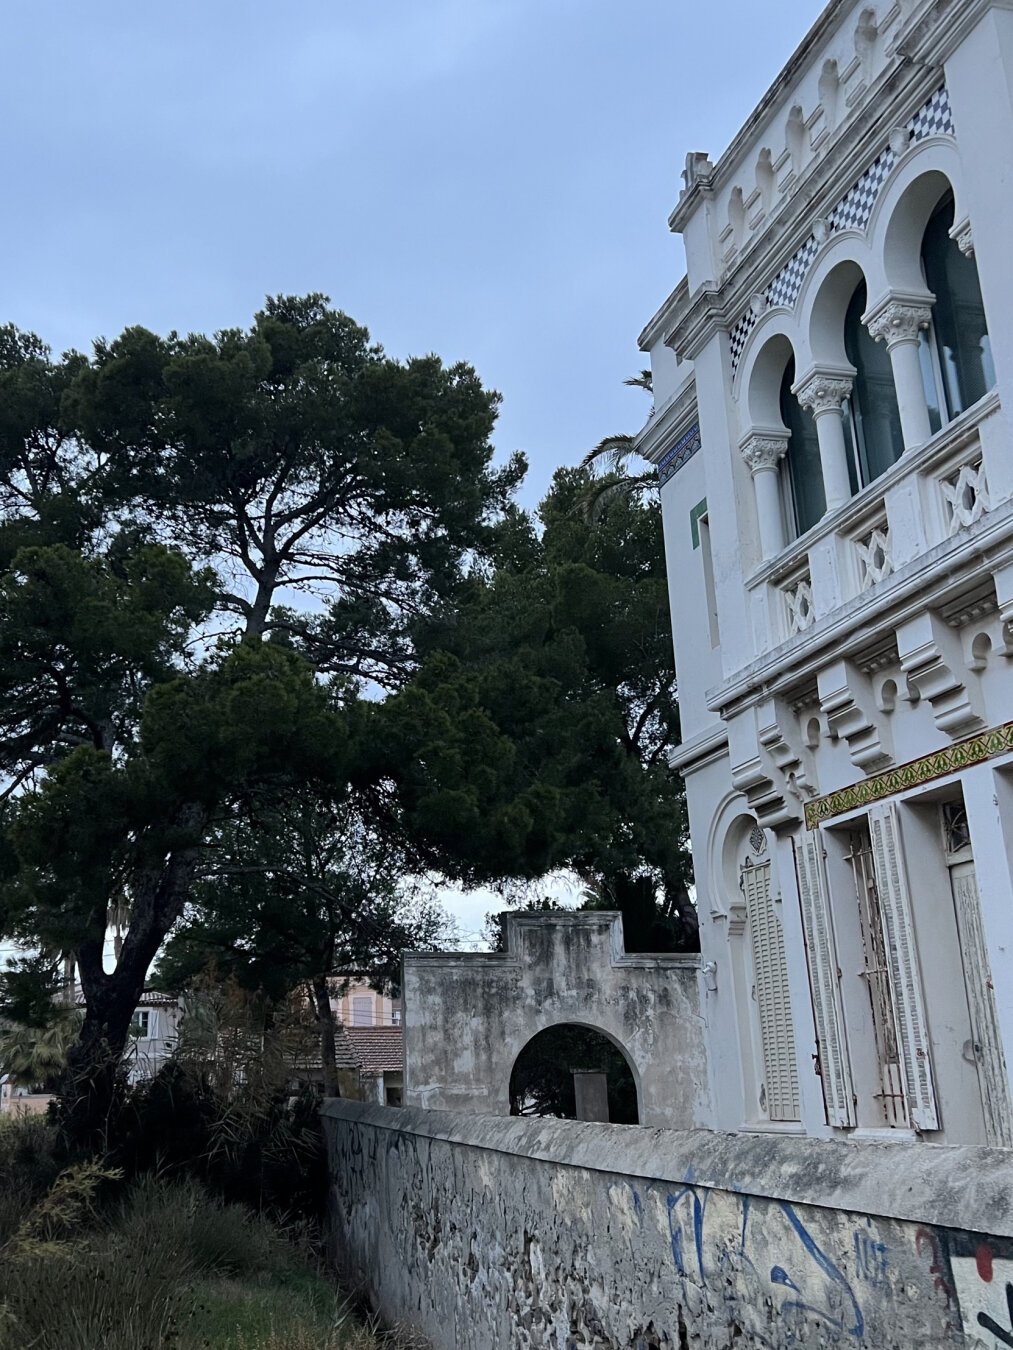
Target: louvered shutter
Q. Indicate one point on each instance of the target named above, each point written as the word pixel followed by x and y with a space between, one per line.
pixel 824 980
pixel 905 977
pixel 770 973
pixel 981 1003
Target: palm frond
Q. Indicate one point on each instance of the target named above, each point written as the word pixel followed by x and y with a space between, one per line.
pixel 645 381
pixel 599 496
pixel 609 455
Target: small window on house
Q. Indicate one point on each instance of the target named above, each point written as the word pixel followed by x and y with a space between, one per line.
pixel 396 1016
pixel 802 476
pixel 871 415
pixel 362 1011
pixel 141 1024
pixel 710 594
pixel 963 352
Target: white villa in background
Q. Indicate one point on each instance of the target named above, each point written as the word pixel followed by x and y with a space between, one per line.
pixel 833 384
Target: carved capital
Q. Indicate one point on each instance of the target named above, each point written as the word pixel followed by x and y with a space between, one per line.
pixel 899 321
pixel 823 392
pixel 764 450
pixel 964 238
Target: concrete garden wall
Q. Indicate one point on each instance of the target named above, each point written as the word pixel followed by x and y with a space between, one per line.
pixel 490 1233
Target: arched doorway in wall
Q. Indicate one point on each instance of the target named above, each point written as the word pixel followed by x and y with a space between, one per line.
pixel 543 1081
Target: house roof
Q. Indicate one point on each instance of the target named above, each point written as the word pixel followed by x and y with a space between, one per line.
pixel 151 998
pixel 345 1054
pixel 379 1049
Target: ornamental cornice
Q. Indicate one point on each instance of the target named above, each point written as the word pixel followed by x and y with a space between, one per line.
pixel 662 321
pixel 823 391
pixel 670 422
pixel 899 320
pixel 764 449
pixel 934 33
pixel 704 315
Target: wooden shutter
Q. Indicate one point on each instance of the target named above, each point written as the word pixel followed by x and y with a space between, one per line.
pixel 824 980
pixel 981 1004
pixel 770 974
pixel 905 977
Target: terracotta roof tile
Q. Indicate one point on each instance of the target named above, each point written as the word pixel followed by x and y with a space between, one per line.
pixel 346 1056
pixel 380 1049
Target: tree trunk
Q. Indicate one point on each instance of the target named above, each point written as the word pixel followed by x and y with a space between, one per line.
pixel 93 1082
pixel 325 1020
pixel 95 1076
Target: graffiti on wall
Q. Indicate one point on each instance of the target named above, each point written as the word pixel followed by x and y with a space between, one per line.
pixel 481 1247
pixel 761 1262
pixel 981 1280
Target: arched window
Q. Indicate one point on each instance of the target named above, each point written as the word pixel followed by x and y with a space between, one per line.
pixel 806 499
pixel 876 437
pixel 962 348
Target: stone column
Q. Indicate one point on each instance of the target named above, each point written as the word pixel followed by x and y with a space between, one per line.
pixel 763 452
pixel 823 392
pixel 898 323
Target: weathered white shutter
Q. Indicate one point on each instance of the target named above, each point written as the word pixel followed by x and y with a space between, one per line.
pixel 824 980
pixel 981 1003
pixel 770 973
pixel 905 976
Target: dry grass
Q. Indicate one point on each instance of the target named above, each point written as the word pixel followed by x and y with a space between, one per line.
pixel 155 1266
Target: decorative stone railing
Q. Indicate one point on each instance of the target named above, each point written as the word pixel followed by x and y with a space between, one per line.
pixel 929 496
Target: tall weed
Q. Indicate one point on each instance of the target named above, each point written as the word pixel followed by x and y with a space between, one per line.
pixel 28 1167
pixel 219 1238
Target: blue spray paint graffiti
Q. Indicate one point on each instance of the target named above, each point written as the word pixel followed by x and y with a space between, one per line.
pixel 814 1284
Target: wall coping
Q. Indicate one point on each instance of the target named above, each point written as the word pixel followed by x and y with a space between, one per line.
pixel 946 1186
pixel 594 920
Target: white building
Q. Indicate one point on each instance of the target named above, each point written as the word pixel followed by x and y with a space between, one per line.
pixel 832 384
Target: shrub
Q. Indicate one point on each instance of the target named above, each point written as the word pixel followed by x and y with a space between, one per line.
pixel 28 1167
pixel 113 1292
pixel 262 1149
pixel 218 1238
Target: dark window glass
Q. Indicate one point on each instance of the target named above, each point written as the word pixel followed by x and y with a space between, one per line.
pixel 927 356
pixel 958 316
pixel 805 472
pixel 877 434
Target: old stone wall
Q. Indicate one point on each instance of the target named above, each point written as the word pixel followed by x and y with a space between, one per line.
pixel 491 1233
pixel 468 1017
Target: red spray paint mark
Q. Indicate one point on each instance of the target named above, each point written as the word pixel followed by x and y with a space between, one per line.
pixel 983 1258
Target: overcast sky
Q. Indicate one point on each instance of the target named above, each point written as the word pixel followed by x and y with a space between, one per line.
pixel 487 179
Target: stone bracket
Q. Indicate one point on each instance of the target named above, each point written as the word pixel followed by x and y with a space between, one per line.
pixel 932 659
pixel 847 700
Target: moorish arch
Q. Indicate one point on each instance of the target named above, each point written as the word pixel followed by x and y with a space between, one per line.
pixel 543 1080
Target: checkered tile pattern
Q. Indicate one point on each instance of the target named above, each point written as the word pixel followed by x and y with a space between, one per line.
pixel 739 334
pixel 784 289
pixel 854 211
pixel 934 118
pixel 683 451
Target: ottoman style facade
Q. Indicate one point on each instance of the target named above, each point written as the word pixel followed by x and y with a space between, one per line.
pixel 833 383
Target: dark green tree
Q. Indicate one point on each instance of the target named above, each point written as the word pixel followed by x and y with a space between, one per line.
pixel 210 549
pixel 543 716
pixel 292 893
